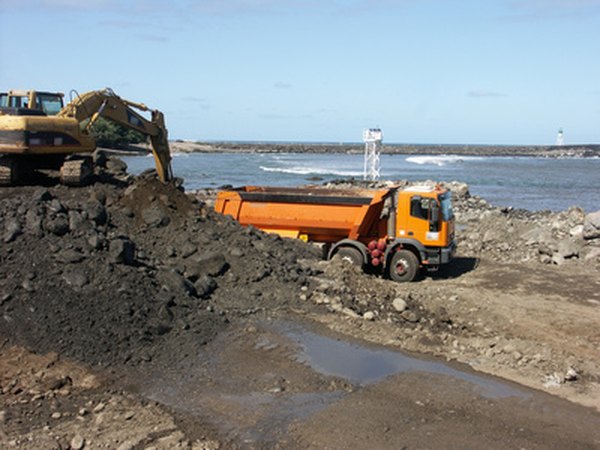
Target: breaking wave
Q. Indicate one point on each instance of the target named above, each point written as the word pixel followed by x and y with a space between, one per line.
pixel 440 160
pixel 313 171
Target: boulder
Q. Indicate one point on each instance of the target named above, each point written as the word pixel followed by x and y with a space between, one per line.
pixel 33 222
pixel 58 225
pixel 96 212
pixel 568 248
pixel 591 226
pixel 77 222
pixel 213 264
pixel 155 216
pixel 122 251
pixel 75 278
pixel 41 195
pixel 69 256
pixel 399 304
pixel 12 229
pixel 205 286
pixel 176 283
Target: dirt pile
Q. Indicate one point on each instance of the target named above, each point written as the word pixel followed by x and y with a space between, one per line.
pixel 113 274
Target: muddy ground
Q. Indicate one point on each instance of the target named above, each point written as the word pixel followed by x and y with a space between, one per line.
pixel 135 317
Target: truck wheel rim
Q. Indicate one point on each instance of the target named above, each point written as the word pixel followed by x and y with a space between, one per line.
pixel 401 267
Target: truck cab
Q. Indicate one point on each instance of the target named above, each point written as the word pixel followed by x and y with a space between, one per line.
pixel 425 215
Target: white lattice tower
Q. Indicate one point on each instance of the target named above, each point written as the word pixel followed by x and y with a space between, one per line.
pixel 372 138
pixel 560 139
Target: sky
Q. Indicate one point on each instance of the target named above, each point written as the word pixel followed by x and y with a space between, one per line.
pixel 498 72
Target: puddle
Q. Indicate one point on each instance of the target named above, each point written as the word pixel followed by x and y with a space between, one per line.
pixel 363 365
pixel 229 391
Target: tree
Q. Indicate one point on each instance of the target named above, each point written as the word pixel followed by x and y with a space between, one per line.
pixel 113 135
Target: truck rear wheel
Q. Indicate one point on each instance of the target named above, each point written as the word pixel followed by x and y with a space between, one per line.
pixel 352 255
pixel 404 266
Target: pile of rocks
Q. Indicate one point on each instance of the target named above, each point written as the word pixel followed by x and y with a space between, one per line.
pixel 513 235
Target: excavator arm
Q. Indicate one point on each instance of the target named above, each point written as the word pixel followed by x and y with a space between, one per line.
pixel 105 103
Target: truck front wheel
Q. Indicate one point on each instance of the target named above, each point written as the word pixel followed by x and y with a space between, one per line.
pixel 404 266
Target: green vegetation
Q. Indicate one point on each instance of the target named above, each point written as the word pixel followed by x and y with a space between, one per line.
pixel 113 135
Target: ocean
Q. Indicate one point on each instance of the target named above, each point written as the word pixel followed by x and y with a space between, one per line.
pixel 520 182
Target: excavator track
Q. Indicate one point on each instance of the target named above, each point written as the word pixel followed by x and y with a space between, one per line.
pixel 8 171
pixel 76 172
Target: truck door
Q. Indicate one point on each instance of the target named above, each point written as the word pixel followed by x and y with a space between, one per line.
pixel 424 221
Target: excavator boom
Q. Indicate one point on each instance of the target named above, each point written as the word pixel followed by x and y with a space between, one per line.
pixel 105 103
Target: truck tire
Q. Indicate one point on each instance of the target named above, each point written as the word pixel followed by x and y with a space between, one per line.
pixel 352 255
pixel 404 266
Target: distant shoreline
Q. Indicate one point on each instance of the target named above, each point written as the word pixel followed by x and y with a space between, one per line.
pixel 548 151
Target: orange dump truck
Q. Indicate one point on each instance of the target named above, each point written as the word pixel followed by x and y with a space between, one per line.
pixel 392 231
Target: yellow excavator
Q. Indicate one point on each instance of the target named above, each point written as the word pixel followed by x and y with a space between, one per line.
pixel 38 133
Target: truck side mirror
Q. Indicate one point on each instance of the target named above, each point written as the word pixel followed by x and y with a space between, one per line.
pixel 434 217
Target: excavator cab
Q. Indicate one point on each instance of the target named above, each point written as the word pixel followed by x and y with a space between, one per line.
pixel 49 103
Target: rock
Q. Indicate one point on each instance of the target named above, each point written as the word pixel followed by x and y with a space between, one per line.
pixel 99 407
pixel 41 195
pixel 76 221
pixel 213 265
pixel 56 206
pixel 571 375
pixel 75 278
pixel 410 316
pixel 77 442
pixel 96 241
pixel 591 225
pixel 98 196
pixel 58 225
pixel 69 256
pixel 122 251
pixel 205 286
pixel 176 283
pixel 576 231
pixel 369 315
pixel 567 248
pixel 155 216
pixel 33 222
pixel 128 212
pixel 350 313
pixel 236 252
pixel 96 212
pixel 592 253
pixel 558 259
pixel 399 304
pixel 12 230
pixel 56 415
pixel 116 165
pixel 188 249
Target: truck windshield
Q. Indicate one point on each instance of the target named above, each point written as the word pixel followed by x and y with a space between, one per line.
pixel 446 206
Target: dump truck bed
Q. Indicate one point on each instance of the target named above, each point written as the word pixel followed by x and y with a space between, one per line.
pixel 322 215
